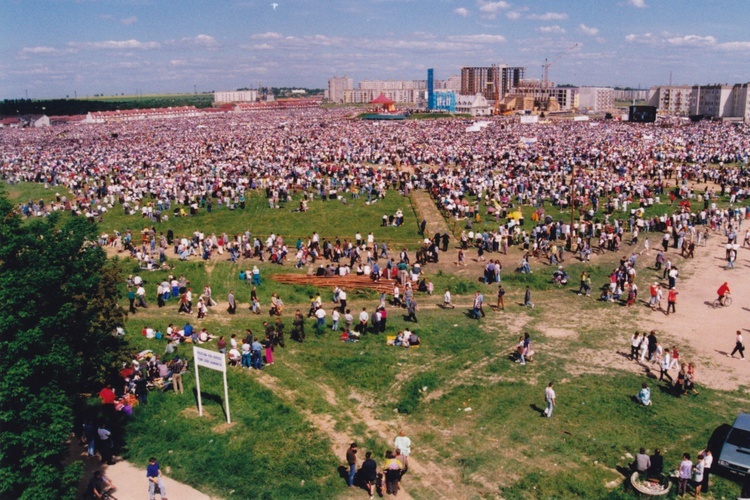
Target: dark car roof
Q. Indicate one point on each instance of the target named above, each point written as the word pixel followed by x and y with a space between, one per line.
pixel 742 421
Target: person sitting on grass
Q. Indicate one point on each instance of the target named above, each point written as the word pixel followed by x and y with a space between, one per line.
pixel 644 395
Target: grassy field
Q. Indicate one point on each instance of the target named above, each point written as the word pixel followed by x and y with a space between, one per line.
pixel 290 420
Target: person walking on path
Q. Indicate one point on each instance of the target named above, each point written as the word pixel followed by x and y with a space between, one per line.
pixel 550 399
pixel 447 304
pixel 351 460
pixel 527 298
pixel 153 473
pixel 403 443
pixel 738 346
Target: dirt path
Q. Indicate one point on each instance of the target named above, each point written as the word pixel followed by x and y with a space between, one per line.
pixel 710 332
pixel 425 208
pixel 128 479
pixel 440 481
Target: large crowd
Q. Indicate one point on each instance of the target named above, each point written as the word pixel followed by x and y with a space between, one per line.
pixel 608 174
pixel 157 168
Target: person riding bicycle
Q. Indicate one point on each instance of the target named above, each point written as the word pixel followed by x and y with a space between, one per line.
pixel 723 292
pixel 99 486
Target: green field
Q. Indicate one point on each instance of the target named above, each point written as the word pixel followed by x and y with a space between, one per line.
pixel 290 420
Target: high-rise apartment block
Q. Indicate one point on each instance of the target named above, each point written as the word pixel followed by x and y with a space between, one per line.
pixel 490 81
pixel 338 87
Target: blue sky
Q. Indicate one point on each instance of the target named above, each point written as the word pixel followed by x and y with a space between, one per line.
pixel 58 48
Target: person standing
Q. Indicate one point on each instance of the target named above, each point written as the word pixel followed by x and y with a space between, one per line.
pixel 666 360
pixel 351 460
pixel 369 473
pixel 392 468
pixel 154 476
pixel 177 368
pixel 232 302
pixel 698 470
pixel 477 305
pixel 500 298
pixel 684 474
pixel 738 346
pixel 104 443
pixel 635 344
pixel 342 300
pixel 672 300
pixel 708 460
pixel 550 398
pixel 527 298
pixel 403 443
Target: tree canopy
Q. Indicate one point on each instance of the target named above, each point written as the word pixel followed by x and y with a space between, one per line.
pixel 59 296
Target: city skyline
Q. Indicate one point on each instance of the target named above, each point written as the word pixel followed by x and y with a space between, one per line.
pixel 84 47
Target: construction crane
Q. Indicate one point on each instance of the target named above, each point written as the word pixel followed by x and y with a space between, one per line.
pixel 547 64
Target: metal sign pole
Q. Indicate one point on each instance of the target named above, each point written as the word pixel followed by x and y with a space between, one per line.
pixel 198 383
pixel 226 397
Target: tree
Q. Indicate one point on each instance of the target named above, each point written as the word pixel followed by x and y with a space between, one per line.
pixel 59 297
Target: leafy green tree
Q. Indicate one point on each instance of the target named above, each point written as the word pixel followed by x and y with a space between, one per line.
pixel 59 309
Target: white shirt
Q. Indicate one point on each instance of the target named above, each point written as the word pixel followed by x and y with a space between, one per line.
pixel 403 443
pixel 320 313
pixel 549 394
pixel 364 317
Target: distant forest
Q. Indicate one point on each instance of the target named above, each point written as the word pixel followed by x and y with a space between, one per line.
pixel 57 107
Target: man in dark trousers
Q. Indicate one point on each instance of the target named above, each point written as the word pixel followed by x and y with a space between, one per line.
pixel 351 460
pixel 651 344
pixel 657 464
pixel 369 473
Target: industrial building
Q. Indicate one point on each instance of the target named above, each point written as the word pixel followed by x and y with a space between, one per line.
pixel 235 96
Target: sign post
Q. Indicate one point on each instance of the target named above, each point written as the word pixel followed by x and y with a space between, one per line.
pixel 215 361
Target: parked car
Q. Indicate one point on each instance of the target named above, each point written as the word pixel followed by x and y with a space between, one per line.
pixel 735 452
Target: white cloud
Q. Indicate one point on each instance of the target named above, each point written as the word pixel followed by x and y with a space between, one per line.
pixel 206 41
pixel 692 41
pixel 270 35
pixel 491 9
pixel 44 50
pixel 178 62
pixel 555 30
pixel 549 16
pixel 641 4
pixel 734 46
pixel 116 45
pixel 483 38
pixel 670 39
pixel 128 21
pixel 263 46
pixel 588 30
pixel 513 15
pixel 462 11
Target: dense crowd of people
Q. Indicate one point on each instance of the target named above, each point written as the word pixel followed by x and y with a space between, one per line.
pixel 608 175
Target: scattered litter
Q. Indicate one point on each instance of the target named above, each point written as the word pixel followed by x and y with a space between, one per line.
pixel 302 483
pixel 628 455
pixel 170 451
pixel 424 389
pixel 468 408
pixel 211 441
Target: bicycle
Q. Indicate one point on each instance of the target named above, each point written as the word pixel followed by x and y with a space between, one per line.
pixel 727 302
